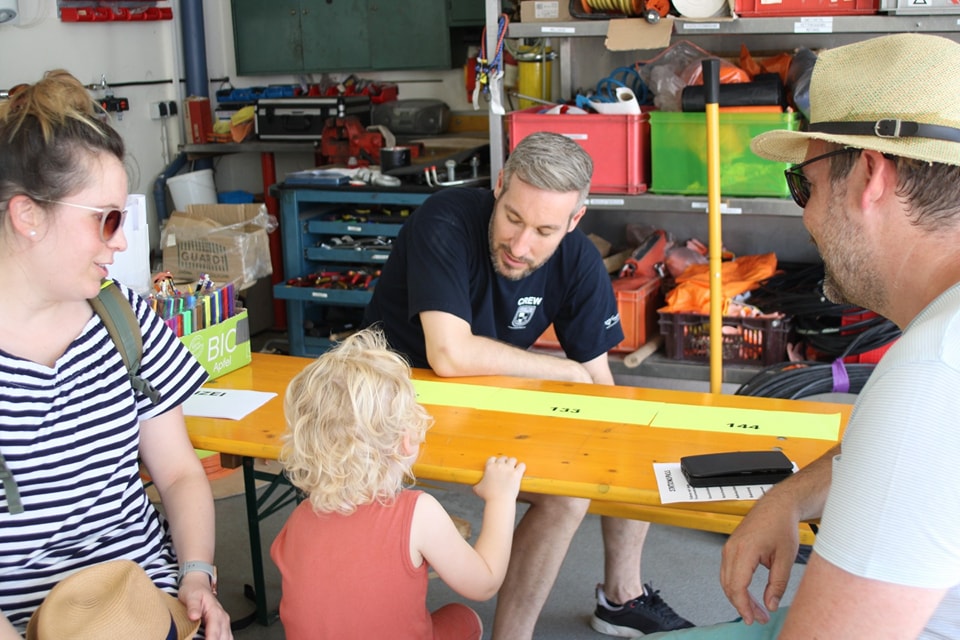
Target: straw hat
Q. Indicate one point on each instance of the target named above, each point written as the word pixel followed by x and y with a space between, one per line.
pixel 897 94
pixel 114 600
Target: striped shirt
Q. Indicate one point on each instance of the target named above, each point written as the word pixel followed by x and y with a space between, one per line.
pixel 70 436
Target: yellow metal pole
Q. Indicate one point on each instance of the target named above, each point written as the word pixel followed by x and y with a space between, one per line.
pixel 711 85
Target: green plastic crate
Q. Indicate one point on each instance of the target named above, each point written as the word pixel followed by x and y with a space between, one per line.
pixel 678 143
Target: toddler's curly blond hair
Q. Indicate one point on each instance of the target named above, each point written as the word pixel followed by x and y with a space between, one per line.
pixel 347 415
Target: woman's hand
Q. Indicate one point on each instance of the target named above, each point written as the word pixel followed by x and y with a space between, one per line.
pixel 201 603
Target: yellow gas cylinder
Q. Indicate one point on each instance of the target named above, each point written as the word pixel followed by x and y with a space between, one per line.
pixel 534 74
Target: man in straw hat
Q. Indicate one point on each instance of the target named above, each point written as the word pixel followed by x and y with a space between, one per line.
pixel 879 182
pixel 114 600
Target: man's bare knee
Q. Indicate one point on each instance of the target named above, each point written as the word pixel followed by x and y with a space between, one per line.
pixel 559 507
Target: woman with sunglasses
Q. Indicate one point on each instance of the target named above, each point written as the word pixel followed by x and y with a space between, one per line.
pixel 72 428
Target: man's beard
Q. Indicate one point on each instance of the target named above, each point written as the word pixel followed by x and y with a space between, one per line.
pixel 849 273
pixel 494 260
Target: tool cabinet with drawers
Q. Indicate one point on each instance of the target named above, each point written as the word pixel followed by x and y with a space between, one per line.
pixel 335 240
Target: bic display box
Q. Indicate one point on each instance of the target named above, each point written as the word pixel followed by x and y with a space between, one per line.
pixel 222 348
pixel 619 145
pixel 678 144
pixel 228 242
pixel 304 118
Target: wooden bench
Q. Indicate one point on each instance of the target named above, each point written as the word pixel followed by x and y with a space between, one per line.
pixel 705 521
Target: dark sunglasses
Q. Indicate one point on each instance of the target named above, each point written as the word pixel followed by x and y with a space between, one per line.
pixel 798 183
pixel 110 219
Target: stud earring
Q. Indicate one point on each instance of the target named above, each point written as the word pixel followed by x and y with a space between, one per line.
pixel 33 233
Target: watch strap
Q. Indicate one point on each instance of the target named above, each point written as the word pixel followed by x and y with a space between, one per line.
pixel 197 565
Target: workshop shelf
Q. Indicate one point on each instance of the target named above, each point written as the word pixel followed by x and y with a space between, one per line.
pixel 334 232
pixel 338 228
pixel 328 296
pixel 361 256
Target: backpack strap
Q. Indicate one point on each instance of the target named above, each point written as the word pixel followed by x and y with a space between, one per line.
pixel 121 323
pixel 10 490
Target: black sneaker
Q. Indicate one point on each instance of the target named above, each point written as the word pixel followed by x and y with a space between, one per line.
pixel 646 614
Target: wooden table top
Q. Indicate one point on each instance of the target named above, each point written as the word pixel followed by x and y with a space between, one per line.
pixel 582 458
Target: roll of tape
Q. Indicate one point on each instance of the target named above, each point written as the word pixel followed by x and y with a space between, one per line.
pixel 394 157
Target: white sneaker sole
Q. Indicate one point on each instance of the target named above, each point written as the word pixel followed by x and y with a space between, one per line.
pixel 602 626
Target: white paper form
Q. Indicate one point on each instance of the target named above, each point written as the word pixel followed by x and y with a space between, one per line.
pixel 232 404
pixel 674 487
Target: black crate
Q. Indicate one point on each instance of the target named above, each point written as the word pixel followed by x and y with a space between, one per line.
pixel 759 341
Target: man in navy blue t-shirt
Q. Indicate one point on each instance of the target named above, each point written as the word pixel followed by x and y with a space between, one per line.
pixel 472 281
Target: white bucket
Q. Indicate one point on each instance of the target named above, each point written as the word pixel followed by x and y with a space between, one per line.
pixel 195 187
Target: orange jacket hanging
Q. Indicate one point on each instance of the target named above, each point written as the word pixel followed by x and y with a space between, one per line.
pixel 692 293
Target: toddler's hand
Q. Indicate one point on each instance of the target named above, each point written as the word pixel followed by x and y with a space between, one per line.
pixel 501 478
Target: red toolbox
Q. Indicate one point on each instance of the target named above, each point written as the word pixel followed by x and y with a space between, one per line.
pixel 766 8
pixel 618 144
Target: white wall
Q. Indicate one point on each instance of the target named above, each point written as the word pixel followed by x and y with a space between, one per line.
pixel 121 52
pixel 143 51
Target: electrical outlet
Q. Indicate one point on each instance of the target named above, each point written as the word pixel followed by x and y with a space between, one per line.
pixel 114 104
pixel 163 109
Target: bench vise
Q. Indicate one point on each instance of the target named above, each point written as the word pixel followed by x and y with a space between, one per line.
pixel 347 137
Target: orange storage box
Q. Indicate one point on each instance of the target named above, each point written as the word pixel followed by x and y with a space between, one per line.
pixel 765 8
pixel 619 145
pixel 638 317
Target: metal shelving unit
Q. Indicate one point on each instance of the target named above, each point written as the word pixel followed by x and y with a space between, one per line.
pixel 695 204
pixel 804 26
pixel 724 37
pixel 305 228
pixel 721 35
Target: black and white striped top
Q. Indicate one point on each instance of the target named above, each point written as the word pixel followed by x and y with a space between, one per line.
pixel 70 436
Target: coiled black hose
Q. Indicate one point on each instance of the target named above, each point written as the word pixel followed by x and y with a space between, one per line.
pixel 833 330
pixel 795 380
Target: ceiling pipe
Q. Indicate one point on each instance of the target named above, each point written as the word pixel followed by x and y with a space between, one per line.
pixel 194 48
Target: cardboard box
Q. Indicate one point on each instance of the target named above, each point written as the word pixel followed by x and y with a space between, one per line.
pixel 228 242
pixel 545 11
pixel 198 117
pixel 223 347
pixel 632 34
